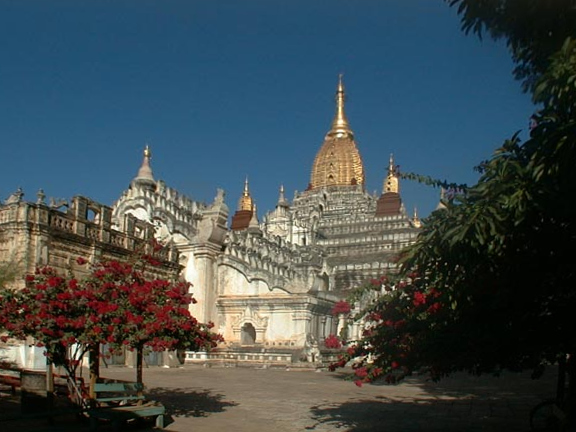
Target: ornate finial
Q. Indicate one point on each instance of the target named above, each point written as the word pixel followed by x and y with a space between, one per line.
pixel 416 219
pixel 391 183
pixel 40 197
pixel 254 219
pixel 253 225
pixel 340 126
pixel 340 83
pixel 441 204
pixel 145 172
pixel 282 198
pixel 16 197
pixel 246 191
pixel 219 199
pixel 245 202
pixel 57 203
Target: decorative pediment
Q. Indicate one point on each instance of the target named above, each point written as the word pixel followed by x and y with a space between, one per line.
pixel 249 315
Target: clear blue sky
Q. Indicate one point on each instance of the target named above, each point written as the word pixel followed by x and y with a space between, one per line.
pixel 226 89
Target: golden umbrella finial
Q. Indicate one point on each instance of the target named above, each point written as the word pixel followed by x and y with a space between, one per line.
pixel 391 183
pixel 245 202
pixel 340 126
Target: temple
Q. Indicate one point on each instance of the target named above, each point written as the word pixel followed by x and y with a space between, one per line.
pixel 269 286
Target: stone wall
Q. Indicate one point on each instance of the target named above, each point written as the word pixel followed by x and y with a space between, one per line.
pixel 36 234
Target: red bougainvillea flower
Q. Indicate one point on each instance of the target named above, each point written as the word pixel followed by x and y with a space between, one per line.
pixel 332 342
pixel 419 299
pixel 434 307
pixel 351 351
pixel 342 307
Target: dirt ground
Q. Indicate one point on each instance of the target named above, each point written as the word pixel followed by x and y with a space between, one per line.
pixel 203 399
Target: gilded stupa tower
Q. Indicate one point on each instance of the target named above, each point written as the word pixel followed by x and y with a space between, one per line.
pixel 338 163
pixel 359 233
pixel 243 216
pixel 390 203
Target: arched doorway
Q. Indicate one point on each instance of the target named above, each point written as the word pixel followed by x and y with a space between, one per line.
pixel 248 334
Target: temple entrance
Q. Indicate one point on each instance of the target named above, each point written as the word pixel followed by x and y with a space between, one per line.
pixel 248 334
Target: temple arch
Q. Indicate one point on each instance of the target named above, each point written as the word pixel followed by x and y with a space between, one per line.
pixel 247 334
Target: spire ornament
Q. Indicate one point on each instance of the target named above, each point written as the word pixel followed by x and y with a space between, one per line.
pixel 254 218
pixel 340 126
pixel 145 172
pixel 338 162
pixel 246 202
pixel 415 219
pixel 282 198
pixel 391 183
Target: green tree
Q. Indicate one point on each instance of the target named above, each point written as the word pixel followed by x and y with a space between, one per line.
pixel 490 282
pixel 120 304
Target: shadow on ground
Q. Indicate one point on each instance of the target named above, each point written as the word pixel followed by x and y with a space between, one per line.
pixel 415 416
pixel 189 403
pixel 178 403
pixel 458 403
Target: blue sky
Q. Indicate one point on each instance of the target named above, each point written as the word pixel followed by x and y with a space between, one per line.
pixel 226 89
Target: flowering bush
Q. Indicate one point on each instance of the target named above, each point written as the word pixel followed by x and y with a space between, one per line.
pixel 342 307
pixel 118 304
pixel 332 342
pixel 395 326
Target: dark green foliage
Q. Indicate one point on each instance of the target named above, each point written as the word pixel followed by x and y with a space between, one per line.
pixel 491 282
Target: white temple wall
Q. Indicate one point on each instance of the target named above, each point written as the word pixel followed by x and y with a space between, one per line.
pixel 234 282
pixel 282 327
pixel 191 275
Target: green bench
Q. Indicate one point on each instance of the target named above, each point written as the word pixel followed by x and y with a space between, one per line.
pixel 118 402
pixel 9 380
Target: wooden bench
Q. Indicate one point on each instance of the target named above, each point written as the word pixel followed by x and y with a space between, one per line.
pixel 119 402
pixel 9 380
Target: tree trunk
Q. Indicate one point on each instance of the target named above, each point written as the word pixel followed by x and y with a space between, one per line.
pixel 49 388
pixel 94 365
pixel 570 406
pixel 49 377
pixel 139 361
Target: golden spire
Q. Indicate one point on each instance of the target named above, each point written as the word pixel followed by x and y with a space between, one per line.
pixel 245 202
pixel 340 126
pixel 391 182
pixel 338 162
pixel 416 219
